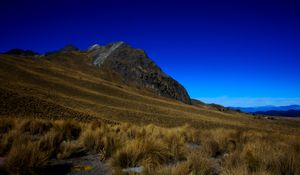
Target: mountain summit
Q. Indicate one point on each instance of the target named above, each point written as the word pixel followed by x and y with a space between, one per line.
pixel 133 67
pixel 118 62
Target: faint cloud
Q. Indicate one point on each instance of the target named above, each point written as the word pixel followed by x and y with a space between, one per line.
pixel 251 102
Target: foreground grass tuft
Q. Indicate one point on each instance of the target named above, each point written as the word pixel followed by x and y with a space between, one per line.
pixel 141 152
pixel 25 159
pixel 29 144
pixel 6 124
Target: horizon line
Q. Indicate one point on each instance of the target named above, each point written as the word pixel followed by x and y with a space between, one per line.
pixel 250 102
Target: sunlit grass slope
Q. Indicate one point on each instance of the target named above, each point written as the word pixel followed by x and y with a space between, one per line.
pixel 66 85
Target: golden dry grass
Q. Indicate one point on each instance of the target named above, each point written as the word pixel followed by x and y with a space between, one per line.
pixel 25 159
pixel 66 86
pixel 62 105
pixel 177 151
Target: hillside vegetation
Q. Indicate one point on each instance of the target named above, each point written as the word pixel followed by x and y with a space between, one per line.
pixel 59 114
pixel 30 146
pixel 66 85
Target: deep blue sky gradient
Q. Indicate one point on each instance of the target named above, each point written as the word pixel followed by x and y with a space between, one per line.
pixel 217 49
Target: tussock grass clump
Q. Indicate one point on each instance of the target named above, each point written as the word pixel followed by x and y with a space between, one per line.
pixel 69 128
pixel 176 146
pixel 110 145
pixel 200 164
pixel 6 141
pixel 13 137
pixel 91 139
pixel 103 140
pixel 25 159
pixel 6 124
pixel 211 148
pixel 197 163
pixel 35 127
pixel 181 168
pixel 50 143
pixel 236 170
pixel 275 158
pixel 188 133
pixel 137 152
pixel 219 141
pixel 96 124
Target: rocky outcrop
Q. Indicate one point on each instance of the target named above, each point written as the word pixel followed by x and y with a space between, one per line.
pixel 133 66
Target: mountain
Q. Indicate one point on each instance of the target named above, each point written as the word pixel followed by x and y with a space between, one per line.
pixel 132 66
pixel 286 113
pixel 114 83
pixel 267 108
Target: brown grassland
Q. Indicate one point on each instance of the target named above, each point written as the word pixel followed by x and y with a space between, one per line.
pixel 66 85
pixel 29 144
pixel 52 108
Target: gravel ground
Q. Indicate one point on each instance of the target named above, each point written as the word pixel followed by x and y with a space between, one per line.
pixel 89 164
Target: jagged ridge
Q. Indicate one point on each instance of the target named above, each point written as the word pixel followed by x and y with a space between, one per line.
pixel 133 66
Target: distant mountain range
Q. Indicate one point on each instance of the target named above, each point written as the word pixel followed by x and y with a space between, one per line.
pixel 267 108
pixel 289 111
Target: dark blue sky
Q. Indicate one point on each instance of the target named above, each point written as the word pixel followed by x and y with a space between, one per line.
pixel 242 53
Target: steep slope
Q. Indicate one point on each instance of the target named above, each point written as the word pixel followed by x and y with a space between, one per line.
pixel 68 84
pixel 133 66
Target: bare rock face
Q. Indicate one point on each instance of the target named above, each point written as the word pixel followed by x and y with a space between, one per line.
pixel 133 66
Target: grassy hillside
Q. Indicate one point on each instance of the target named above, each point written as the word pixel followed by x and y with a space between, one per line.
pixel 117 129
pixel 67 85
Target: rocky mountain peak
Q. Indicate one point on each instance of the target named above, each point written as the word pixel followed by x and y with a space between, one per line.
pixel 94 47
pixel 133 66
pixel 100 53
